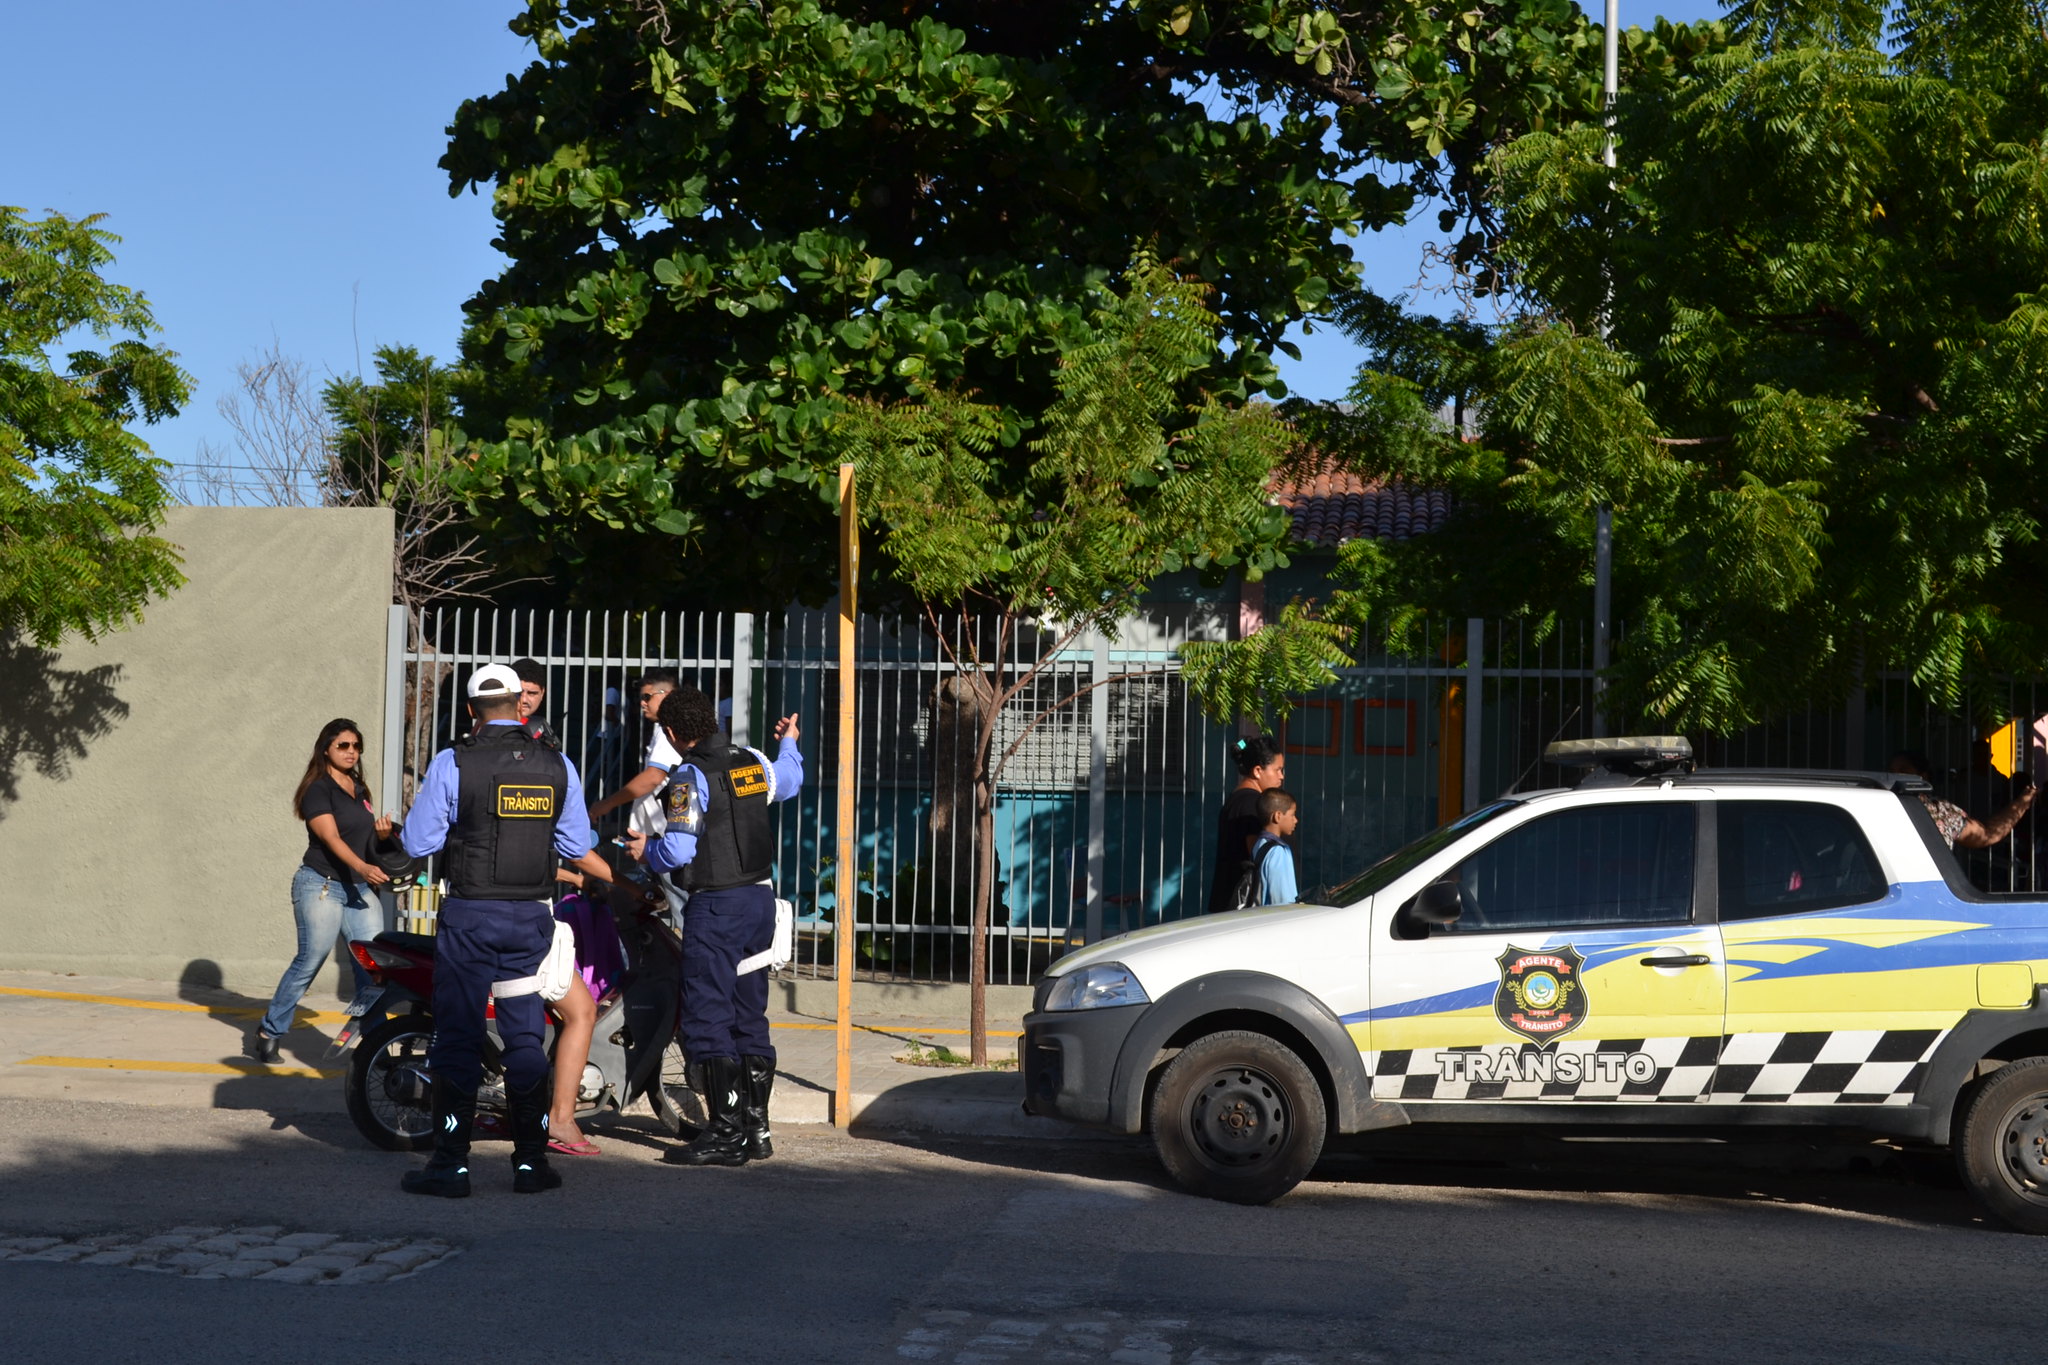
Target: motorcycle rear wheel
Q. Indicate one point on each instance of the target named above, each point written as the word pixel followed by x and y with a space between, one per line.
pixel 388 1087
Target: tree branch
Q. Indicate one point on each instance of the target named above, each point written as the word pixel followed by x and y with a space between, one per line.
pixel 1008 753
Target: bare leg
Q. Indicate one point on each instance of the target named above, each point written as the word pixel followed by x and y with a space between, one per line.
pixel 572 1050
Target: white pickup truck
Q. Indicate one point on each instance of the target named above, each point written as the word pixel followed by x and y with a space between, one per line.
pixel 1657 950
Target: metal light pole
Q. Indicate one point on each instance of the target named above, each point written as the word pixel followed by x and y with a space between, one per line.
pixel 1610 53
pixel 1603 536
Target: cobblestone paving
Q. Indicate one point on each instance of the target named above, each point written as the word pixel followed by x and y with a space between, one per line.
pixel 1083 1338
pixel 239 1253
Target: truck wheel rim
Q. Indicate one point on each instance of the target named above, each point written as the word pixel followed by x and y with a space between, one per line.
pixel 2023 1148
pixel 1238 1118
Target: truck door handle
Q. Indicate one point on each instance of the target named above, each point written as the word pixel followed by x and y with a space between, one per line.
pixel 1689 960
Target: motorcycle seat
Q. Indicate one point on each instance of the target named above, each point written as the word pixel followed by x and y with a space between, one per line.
pixel 423 944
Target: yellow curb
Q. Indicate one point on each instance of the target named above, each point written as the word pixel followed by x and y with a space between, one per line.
pixel 336 1016
pixel 891 1030
pixel 186 1068
pixel 303 1016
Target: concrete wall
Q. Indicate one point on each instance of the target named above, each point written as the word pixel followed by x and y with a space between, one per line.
pixel 145 781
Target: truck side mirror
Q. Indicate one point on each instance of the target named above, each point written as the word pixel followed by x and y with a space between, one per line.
pixel 1435 906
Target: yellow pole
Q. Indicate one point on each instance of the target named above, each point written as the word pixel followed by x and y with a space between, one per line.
pixel 1450 754
pixel 848 884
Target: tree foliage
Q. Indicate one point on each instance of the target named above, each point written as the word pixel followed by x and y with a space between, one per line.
pixel 726 222
pixel 1127 479
pixel 79 490
pixel 1798 342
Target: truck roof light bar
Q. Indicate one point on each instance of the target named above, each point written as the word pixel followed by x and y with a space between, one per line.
pixel 1623 758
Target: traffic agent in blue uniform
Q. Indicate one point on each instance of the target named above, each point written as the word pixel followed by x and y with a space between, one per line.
pixel 502 806
pixel 720 847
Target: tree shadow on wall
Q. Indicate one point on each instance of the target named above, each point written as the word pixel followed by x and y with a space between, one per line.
pixel 54 714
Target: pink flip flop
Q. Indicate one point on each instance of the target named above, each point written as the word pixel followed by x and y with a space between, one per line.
pixel 585 1148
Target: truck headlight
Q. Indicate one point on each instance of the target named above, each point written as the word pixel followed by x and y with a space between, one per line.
pixel 1104 984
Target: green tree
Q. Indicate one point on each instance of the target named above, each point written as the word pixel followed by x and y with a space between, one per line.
pixel 724 222
pixel 1799 343
pixel 79 491
pixel 1131 476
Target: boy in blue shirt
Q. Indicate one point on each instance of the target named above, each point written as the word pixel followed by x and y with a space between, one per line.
pixel 1273 851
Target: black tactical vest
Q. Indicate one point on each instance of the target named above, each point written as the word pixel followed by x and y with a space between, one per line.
pixel 509 792
pixel 735 846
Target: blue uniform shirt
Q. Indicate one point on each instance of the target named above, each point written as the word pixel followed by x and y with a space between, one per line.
pixel 1276 873
pixel 433 810
pixel 677 846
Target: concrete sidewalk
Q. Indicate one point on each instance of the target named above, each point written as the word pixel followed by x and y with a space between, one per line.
pixel 137 1042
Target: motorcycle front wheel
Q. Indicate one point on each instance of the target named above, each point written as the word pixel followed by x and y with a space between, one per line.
pixel 389 1093
pixel 678 1107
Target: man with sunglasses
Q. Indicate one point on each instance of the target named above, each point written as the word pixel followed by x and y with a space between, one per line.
pixel 661 756
pixel 498 805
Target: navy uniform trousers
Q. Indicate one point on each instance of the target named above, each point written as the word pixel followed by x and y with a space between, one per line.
pixel 481 942
pixel 725 1014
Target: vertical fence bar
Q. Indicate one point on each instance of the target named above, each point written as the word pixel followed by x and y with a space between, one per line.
pixel 1475 708
pixel 742 675
pixel 1603 606
pixel 1098 782
pixel 394 710
pixel 1853 725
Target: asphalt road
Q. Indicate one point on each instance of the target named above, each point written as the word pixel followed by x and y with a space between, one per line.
pixel 845 1250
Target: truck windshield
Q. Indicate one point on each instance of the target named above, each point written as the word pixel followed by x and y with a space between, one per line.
pixel 1407 856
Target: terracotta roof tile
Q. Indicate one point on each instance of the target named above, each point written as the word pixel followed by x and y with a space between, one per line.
pixel 1331 505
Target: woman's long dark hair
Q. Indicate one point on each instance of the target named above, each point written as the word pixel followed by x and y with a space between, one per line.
pixel 329 732
pixel 1253 751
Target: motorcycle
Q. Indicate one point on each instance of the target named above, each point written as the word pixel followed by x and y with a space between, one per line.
pixel 634 1052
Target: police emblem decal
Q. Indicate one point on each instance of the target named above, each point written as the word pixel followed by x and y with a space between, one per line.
pixel 1542 997
pixel 680 806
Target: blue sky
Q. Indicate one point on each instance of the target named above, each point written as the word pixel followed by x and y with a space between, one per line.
pixel 270 166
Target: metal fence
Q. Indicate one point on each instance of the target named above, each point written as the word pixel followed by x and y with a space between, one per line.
pixel 1105 810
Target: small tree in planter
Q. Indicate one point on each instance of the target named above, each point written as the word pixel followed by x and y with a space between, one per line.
pixel 1136 471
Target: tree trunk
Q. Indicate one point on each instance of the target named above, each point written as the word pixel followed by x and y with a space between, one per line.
pixel 961 711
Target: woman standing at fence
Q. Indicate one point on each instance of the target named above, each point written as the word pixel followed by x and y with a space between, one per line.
pixel 337 886
pixel 1958 826
pixel 1261 766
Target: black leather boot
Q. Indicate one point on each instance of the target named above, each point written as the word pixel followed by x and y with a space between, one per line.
pixel 760 1083
pixel 447 1171
pixel 723 1141
pixel 531 1172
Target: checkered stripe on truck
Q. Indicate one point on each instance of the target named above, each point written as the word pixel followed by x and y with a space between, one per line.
pixel 1851 1066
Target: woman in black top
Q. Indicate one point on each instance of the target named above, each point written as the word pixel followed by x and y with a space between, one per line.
pixel 337 886
pixel 1261 766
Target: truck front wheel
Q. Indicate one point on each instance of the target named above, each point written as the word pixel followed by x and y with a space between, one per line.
pixel 2003 1151
pixel 1238 1117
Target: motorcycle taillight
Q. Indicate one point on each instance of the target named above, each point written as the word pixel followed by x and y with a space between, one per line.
pixel 377 960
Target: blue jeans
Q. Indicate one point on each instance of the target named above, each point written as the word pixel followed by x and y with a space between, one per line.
pixel 323 907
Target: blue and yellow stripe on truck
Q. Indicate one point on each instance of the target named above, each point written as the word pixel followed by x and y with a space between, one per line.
pixel 1831 1006
pixel 1918 959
